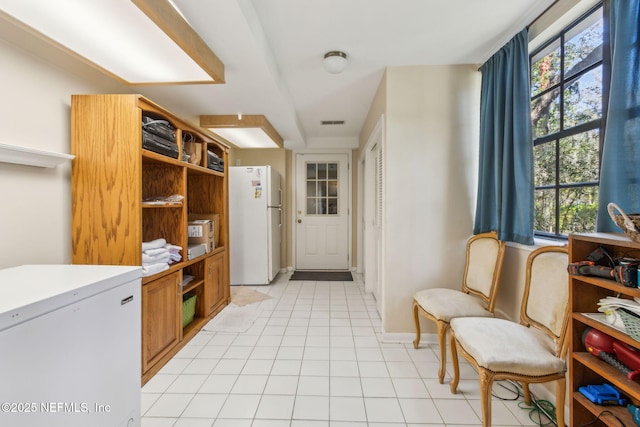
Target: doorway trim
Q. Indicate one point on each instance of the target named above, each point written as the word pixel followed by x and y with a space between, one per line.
pixel 294 236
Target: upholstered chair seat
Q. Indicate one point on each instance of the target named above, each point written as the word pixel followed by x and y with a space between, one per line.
pixel 446 304
pixel 505 346
pixel 481 275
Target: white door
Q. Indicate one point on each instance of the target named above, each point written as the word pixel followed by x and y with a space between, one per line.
pixel 322 212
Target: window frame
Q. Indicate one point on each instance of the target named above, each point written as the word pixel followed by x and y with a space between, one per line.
pixel 596 124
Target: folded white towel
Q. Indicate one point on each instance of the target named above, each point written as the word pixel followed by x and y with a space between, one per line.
pixel 156 259
pixel 153 244
pixel 173 248
pixel 149 270
pixel 157 251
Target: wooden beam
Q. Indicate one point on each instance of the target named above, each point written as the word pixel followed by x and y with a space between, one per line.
pixel 247 121
pixel 167 18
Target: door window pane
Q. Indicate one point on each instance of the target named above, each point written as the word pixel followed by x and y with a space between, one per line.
pixel 322 171
pixel 322 206
pixel 332 170
pixel 332 191
pixel 332 206
pixel 311 170
pixel 322 188
pixel 311 189
pixel 311 206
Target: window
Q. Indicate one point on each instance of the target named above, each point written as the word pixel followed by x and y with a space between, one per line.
pixel 322 188
pixel 567 98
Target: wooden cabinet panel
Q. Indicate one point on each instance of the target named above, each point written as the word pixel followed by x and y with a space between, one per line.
pixel 161 317
pixel 214 282
pixel 105 180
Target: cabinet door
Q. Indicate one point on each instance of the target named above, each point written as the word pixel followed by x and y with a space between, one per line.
pixel 213 281
pixel 161 318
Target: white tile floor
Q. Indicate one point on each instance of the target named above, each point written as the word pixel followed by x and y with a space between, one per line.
pixel 313 358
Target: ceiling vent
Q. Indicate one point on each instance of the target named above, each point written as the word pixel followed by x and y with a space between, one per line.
pixel 331 122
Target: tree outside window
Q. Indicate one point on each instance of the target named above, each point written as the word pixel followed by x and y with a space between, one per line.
pixel 568 127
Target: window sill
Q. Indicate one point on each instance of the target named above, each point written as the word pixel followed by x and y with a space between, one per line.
pixel 538 242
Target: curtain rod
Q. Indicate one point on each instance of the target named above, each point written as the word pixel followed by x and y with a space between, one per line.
pixel 535 19
pixel 543 12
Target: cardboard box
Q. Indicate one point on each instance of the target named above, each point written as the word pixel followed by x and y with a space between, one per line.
pixel 200 231
pixel 215 219
pixel 194 251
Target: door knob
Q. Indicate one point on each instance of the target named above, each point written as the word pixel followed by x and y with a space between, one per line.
pixel 299 221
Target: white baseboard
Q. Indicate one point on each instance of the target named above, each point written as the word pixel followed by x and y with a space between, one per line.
pixel 407 338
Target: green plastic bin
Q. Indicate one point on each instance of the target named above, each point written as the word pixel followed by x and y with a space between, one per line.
pixel 188 308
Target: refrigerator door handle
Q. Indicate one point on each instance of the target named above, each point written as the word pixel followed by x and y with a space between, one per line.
pixel 280 216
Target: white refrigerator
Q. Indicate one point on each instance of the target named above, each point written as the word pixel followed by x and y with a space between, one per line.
pixel 255 224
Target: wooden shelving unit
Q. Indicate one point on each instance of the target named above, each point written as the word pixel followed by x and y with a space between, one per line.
pixel 111 176
pixel 585 368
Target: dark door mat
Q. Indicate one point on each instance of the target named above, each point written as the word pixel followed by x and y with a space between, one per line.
pixel 325 276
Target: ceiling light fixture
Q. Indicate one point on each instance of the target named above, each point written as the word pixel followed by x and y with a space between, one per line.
pixel 244 131
pixel 136 42
pixel 335 61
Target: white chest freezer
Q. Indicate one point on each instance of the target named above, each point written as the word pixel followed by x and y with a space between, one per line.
pixel 70 352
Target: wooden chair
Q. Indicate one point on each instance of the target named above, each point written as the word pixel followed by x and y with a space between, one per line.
pixel 482 269
pixel 532 351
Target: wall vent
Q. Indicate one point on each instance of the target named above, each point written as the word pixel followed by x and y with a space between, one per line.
pixel 331 122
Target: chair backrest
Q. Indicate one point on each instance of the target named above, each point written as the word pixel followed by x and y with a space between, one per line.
pixel 483 267
pixel 545 302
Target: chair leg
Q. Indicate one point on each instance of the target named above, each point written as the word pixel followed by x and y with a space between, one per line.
pixel 416 320
pixel 442 341
pixel 456 369
pixel 560 392
pixel 527 393
pixel 486 385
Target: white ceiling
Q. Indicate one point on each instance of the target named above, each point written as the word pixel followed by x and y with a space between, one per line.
pixel 273 51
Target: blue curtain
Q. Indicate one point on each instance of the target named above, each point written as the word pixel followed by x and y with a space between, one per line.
pixel 620 170
pixel 505 184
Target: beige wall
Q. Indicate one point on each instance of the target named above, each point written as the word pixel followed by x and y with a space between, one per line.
pixel 430 170
pixel 35 211
pixel 430 175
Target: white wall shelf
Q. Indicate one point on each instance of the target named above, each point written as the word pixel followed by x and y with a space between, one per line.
pixel 32 157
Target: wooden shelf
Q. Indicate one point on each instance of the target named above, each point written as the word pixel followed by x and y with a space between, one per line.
pixel 586 369
pixel 604 412
pixel 192 286
pixel 151 157
pixel 111 177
